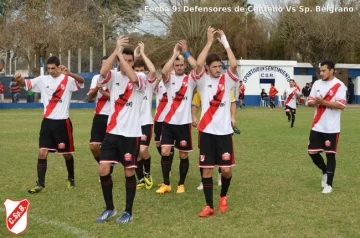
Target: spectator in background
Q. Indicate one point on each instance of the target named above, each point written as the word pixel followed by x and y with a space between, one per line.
pixel 30 96
pixel 2 88
pixel 351 91
pixel 272 93
pixel 264 96
pixel 306 92
pixel 15 91
pixel 241 94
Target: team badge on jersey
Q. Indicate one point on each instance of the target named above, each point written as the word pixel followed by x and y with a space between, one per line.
pixel 221 87
pixel 225 156
pixel 127 157
pixel 130 85
pixel 202 158
pixel 144 138
pixel 62 86
pixel 16 215
pixel 183 143
pixel 61 146
pixel 327 143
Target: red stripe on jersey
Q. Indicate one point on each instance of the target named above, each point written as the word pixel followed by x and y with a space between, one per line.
pixel 119 104
pixel 160 108
pixel 321 109
pixel 291 95
pixel 56 97
pixel 214 105
pixel 196 77
pixel 151 80
pixel 69 131
pixel 28 84
pixel 108 77
pixel 77 84
pixel 232 76
pixel 168 79
pixel 178 99
pixel 101 103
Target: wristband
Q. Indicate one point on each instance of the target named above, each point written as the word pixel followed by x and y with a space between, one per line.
pixel 224 42
pixel 187 54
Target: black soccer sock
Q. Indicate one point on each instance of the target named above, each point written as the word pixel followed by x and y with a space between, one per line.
pixel 147 164
pixel 165 167
pixel 208 191
pixel 130 185
pixel 97 159
pixel 172 153
pixel 107 186
pixel 225 184
pixel 219 170
pixel 111 169
pixel 288 115
pixel 70 167
pixel 183 168
pixel 292 119
pixel 330 168
pixel 140 169
pixel 319 161
pixel 41 170
pixel 159 149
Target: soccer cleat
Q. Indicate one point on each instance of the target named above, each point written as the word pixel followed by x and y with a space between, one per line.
pixel 70 183
pixel 37 189
pixel 160 184
pixel 219 180
pixel 206 212
pixel 292 126
pixel 106 215
pixel 223 204
pixel 324 180
pixel 164 189
pixel 180 189
pixel 200 187
pixel 327 189
pixel 125 218
pixel 148 181
pixel 140 184
pixel 236 130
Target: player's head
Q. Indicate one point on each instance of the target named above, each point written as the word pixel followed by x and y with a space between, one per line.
pixel 307 84
pixel 327 69
pixel 263 90
pixel 292 83
pixel 213 65
pixel 128 56
pixel 139 65
pixel 240 82
pixel 272 84
pixel 179 65
pixel 53 64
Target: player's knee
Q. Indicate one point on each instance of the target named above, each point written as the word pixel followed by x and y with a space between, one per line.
pixel 165 151
pixel 95 148
pixel 293 115
pixel 157 144
pixel 183 155
pixel 67 156
pixel 313 152
pixel 144 150
pixel 129 172
pixel 207 172
pixel 104 169
pixel 226 172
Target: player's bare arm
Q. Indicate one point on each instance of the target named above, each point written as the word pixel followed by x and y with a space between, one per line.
pixel 149 64
pixel 167 67
pixel 202 57
pixel 194 111
pixel 130 73
pixel 66 71
pixel 233 114
pixel 19 79
pixel 233 64
pixel 158 80
pixel 184 51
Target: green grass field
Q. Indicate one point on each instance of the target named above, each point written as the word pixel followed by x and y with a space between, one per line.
pixel 275 190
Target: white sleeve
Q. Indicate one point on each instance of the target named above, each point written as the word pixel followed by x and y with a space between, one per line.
pixel 340 96
pixel 107 81
pixel 74 85
pixel 33 84
pixel 142 81
pixel 231 78
pixel 312 93
pixel 94 82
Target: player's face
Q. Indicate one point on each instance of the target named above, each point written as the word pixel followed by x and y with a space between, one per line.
pixel 179 67
pixel 215 69
pixel 325 73
pixel 53 70
pixel 292 84
pixel 129 59
pixel 139 69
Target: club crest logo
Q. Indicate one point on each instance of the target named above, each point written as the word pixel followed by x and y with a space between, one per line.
pixel 183 143
pixel 221 87
pixel 327 143
pixel 62 86
pixel 202 158
pixel 127 157
pixel 130 85
pixel 185 84
pixel 226 156
pixel 61 146
pixel 143 138
pixel 16 215
pixel 331 92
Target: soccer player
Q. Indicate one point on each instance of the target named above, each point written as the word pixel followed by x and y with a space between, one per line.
pixel 216 146
pixel 272 93
pixel 144 159
pixel 123 132
pixel 290 104
pixel 241 93
pixel 328 95
pixel 177 122
pixel 56 128
pixel 101 95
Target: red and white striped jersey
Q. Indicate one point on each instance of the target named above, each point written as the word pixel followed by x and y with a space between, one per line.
pixel 125 103
pixel 180 91
pixel 215 96
pixel 146 106
pixel 102 103
pixel 327 120
pixel 291 97
pixel 55 94
pixel 162 105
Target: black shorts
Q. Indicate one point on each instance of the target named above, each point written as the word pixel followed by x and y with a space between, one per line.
pixel 216 150
pixel 116 148
pixel 157 131
pixel 327 142
pixel 146 134
pixel 98 129
pixel 180 134
pixel 57 135
pixel 241 96
pixel 272 99
pixel 290 109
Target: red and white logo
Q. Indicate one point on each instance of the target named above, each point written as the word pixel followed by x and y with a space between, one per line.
pixel 144 138
pixel 62 86
pixel 61 146
pixel 16 215
pixel 331 92
pixel 225 156
pixel 130 85
pixel 185 84
pixel 327 143
pixel 202 158
pixel 127 157
pixel 183 143
pixel 221 87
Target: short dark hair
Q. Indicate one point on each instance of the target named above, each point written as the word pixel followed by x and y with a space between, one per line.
pixel 126 51
pixel 272 84
pixel 212 58
pixel 292 80
pixel 53 60
pixel 330 65
pixel 105 57
pixel 139 63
